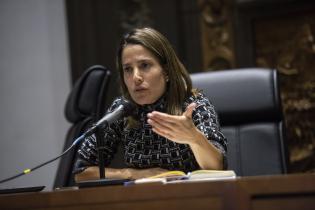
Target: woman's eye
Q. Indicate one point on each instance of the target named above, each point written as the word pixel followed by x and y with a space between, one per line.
pixel 145 65
pixel 127 69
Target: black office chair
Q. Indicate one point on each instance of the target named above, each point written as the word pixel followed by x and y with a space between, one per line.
pixel 249 108
pixel 85 105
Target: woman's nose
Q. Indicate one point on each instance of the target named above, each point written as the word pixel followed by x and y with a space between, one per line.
pixel 137 77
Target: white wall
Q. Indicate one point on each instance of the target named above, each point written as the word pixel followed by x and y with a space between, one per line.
pixel 34 83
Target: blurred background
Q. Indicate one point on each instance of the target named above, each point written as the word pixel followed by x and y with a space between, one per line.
pixel 46 45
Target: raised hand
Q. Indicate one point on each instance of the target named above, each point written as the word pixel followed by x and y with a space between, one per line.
pixel 180 129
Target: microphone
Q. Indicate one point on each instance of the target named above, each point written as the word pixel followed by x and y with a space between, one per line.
pixel 125 109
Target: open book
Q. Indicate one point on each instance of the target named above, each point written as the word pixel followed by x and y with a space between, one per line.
pixel 195 176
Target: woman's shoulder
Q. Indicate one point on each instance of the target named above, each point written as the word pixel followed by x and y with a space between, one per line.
pixel 198 97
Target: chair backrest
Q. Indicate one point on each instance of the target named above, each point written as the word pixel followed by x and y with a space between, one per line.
pixel 84 106
pixel 249 108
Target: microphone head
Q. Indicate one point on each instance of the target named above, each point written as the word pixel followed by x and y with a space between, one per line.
pixel 129 107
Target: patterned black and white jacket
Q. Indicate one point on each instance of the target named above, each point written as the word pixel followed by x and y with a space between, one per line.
pixel 145 149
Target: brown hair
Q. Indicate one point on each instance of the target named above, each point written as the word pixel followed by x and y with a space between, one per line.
pixel 179 85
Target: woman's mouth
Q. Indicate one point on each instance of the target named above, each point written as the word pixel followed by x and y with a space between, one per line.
pixel 140 89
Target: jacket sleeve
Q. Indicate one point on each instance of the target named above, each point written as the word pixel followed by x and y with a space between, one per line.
pixel 206 120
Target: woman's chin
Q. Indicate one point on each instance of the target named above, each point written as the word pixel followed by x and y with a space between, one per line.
pixel 143 101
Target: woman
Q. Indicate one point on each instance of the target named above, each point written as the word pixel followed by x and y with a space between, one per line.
pixel 175 128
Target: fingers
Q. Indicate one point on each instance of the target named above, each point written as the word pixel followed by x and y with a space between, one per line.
pixel 160 125
pixel 172 118
pixel 163 133
pixel 159 116
pixel 163 129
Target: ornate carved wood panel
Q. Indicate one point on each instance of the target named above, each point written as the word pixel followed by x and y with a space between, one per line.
pixel 273 34
pixel 216 33
pixel 279 35
pixel 287 44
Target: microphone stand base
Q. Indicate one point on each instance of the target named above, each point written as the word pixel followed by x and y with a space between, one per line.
pixel 101 182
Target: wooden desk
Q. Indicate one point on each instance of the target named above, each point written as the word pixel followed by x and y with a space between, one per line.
pixel 264 192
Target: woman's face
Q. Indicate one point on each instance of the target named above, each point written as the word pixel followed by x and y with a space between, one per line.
pixel 143 74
